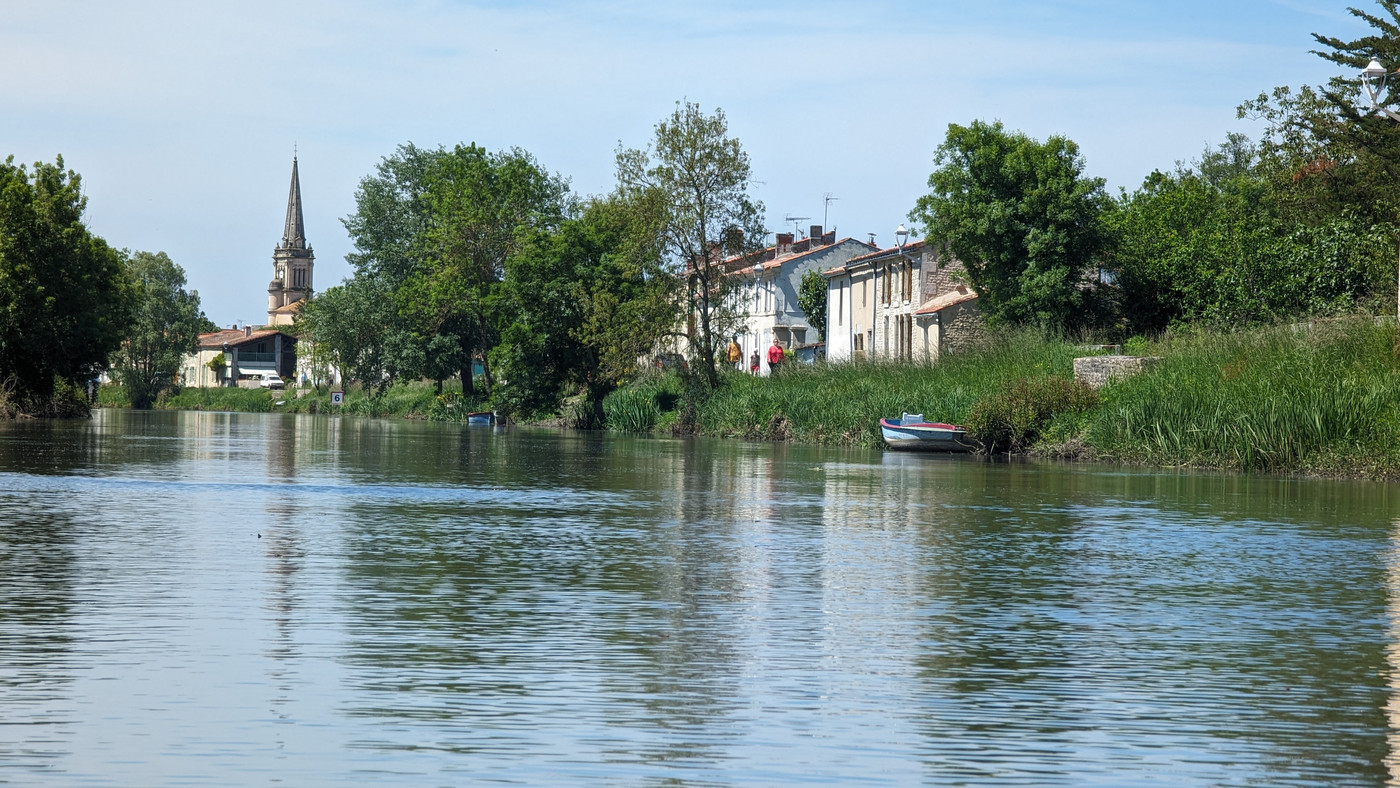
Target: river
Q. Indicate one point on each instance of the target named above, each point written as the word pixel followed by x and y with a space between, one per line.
pixel 261 599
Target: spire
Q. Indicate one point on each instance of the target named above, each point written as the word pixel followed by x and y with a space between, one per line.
pixel 294 234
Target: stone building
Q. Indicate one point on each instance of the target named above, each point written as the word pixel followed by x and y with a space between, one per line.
pixel 899 303
pixel 292 263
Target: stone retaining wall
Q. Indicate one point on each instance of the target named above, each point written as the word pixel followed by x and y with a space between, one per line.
pixel 1098 370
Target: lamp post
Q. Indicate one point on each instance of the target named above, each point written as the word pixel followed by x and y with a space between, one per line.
pixel 901 236
pixel 1374 78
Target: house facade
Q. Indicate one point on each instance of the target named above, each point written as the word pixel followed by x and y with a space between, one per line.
pixel 902 303
pixel 244 355
pixel 767 298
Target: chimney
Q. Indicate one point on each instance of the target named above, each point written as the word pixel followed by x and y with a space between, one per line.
pixel 247 331
pixel 784 243
pixel 829 238
pixel 815 233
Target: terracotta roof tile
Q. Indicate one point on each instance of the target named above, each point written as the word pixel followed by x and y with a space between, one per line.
pixel 962 294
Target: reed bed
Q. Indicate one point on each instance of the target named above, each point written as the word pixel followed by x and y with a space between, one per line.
pixel 1320 397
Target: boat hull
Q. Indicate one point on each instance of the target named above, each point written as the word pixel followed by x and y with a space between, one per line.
pixel 923 436
pixel 479 419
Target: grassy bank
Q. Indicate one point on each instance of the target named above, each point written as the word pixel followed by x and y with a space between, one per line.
pixel 404 400
pixel 841 403
pixel 1322 398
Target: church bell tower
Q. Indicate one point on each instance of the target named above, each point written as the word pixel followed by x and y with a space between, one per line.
pixel 292 262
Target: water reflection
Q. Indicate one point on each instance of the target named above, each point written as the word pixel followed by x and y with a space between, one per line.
pixel 374 601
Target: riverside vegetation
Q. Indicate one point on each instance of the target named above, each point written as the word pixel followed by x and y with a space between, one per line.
pixel 1320 398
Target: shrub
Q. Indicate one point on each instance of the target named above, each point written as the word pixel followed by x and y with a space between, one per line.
pixel 1013 419
pixel 631 410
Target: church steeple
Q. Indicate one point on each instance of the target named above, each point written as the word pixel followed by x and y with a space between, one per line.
pixel 294 233
pixel 292 262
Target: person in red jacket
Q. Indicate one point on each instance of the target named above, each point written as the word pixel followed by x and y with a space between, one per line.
pixel 775 357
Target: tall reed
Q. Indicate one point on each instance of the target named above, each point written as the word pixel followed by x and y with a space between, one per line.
pixel 1312 397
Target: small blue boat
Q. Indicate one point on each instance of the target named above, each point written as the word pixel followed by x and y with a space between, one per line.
pixel 480 419
pixel 911 433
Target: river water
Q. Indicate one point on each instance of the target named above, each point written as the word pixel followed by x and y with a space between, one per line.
pixel 250 599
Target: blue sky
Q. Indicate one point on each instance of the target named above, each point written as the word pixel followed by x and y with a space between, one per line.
pixel 182 116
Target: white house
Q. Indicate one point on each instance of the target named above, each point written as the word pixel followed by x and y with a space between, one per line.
pixel 767 300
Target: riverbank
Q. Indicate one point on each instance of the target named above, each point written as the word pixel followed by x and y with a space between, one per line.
pixel 416 400
pixel 1321 398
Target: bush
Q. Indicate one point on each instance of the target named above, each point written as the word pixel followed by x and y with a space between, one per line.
pixel 1013 419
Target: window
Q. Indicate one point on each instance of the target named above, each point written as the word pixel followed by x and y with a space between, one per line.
pixel 840 302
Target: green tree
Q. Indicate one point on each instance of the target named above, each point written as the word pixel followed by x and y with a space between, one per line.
pixel 1022 218
pixel 481 204
pixel 1222 241
pixel 355 328
pixel 164 329
pixel 390 229
pixel 65 297
pixel 702 176
pixel 581 304
pixel 811 298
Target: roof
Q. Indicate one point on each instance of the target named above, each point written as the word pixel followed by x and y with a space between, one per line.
pixel 962 294
pixel 233 337
pixel 893 251
pixel 294 232
pixel 733 265
pixel 290 309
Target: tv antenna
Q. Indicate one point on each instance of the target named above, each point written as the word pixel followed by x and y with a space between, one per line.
pixel 826 206
pixel 796 220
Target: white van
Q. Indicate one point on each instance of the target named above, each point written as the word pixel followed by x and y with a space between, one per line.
pixel 270 380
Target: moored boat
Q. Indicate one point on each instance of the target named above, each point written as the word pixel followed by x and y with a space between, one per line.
pixel 910 432
pixel 481 419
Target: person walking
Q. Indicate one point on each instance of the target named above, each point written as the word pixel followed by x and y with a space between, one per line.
pixel 753 363
pixel 775 357
pixel 735 354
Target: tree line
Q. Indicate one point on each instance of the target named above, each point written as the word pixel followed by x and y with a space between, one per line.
pixel 465 256
pixel 71 306
pixel 1302 222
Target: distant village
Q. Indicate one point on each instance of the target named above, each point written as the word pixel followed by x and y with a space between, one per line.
pixel 904 302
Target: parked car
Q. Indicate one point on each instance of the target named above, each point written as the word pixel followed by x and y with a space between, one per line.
pixel 270 380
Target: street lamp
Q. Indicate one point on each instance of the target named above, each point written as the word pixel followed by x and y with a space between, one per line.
pixel 901 235
pixel 1373 79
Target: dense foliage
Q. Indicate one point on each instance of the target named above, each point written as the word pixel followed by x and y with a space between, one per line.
pixel 1021 216
pixel 165 328
pixel 65 297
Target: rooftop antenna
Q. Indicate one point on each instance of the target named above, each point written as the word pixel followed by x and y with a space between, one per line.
pixel 796 220
pixel 826 206
pixel 872 238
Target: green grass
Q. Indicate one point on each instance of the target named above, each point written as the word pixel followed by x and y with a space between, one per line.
pixel 1321 399
pixel 415 400
pixel 842 403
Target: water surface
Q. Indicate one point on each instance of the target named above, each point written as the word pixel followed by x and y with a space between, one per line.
pixel 247 599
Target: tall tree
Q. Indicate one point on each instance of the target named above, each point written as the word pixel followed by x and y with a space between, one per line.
pixel 355 328
pixel 164 329
pixel 65 297
pixel 582 303
pixel 703 177
pixel 1021 217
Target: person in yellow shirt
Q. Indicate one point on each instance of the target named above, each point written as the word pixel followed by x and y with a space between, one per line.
pixel 735 355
